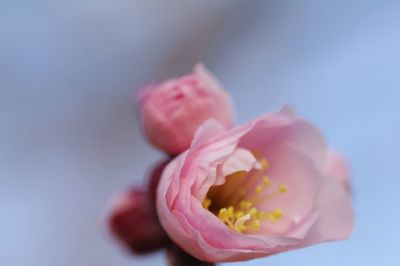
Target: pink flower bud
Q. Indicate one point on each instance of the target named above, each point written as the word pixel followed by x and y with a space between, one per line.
pixel 134 222
pixel 172 110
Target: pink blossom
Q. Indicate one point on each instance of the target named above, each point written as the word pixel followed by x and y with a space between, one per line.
pixel 266 187
pixel 171 111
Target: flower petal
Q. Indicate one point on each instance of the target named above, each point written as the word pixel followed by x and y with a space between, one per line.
pixel 336 217
pixel 289 168
pixel 336 167
pixel 240 160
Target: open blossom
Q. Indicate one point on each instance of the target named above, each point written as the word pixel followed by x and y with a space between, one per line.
pixel 171 111
pixel 266 187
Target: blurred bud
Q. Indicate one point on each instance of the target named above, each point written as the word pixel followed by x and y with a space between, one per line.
pixel 172 110
pixel 134 222
pixel 154 179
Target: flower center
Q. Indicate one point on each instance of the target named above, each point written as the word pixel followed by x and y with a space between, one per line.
pixel 236 201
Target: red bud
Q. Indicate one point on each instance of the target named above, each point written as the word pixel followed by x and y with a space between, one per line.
pixel 134 222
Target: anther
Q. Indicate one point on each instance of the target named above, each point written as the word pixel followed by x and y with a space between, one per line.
pixel 282 188
pixel 266 181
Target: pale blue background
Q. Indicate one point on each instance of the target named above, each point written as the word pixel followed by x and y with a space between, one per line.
pixel 68 131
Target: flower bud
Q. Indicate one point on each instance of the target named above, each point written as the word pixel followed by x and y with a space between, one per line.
pixel 134 222
pixel 171 111
pixel 154 179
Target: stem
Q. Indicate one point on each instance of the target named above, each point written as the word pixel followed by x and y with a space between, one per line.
pixel 177 257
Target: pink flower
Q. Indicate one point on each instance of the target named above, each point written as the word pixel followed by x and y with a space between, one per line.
pixel 266 187
pixel 172 110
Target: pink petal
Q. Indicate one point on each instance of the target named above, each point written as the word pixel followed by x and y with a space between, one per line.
pixel 336 217
pixel 240 160
pixel 286 128
pixel 292 169
pixel 336 167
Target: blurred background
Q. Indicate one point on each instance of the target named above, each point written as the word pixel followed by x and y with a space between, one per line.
pixel 69 136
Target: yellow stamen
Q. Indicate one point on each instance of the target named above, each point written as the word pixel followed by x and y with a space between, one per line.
pixel 245 204
pixel 256 224
pixel 206 203
pixel 242 194
pixel 239 223
pixel 223 214
pixel 239 214
pixel 275 216
pixel 283 188
pixel 264 163
pixel 266 181
pixel 252 211
pixel 231 211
